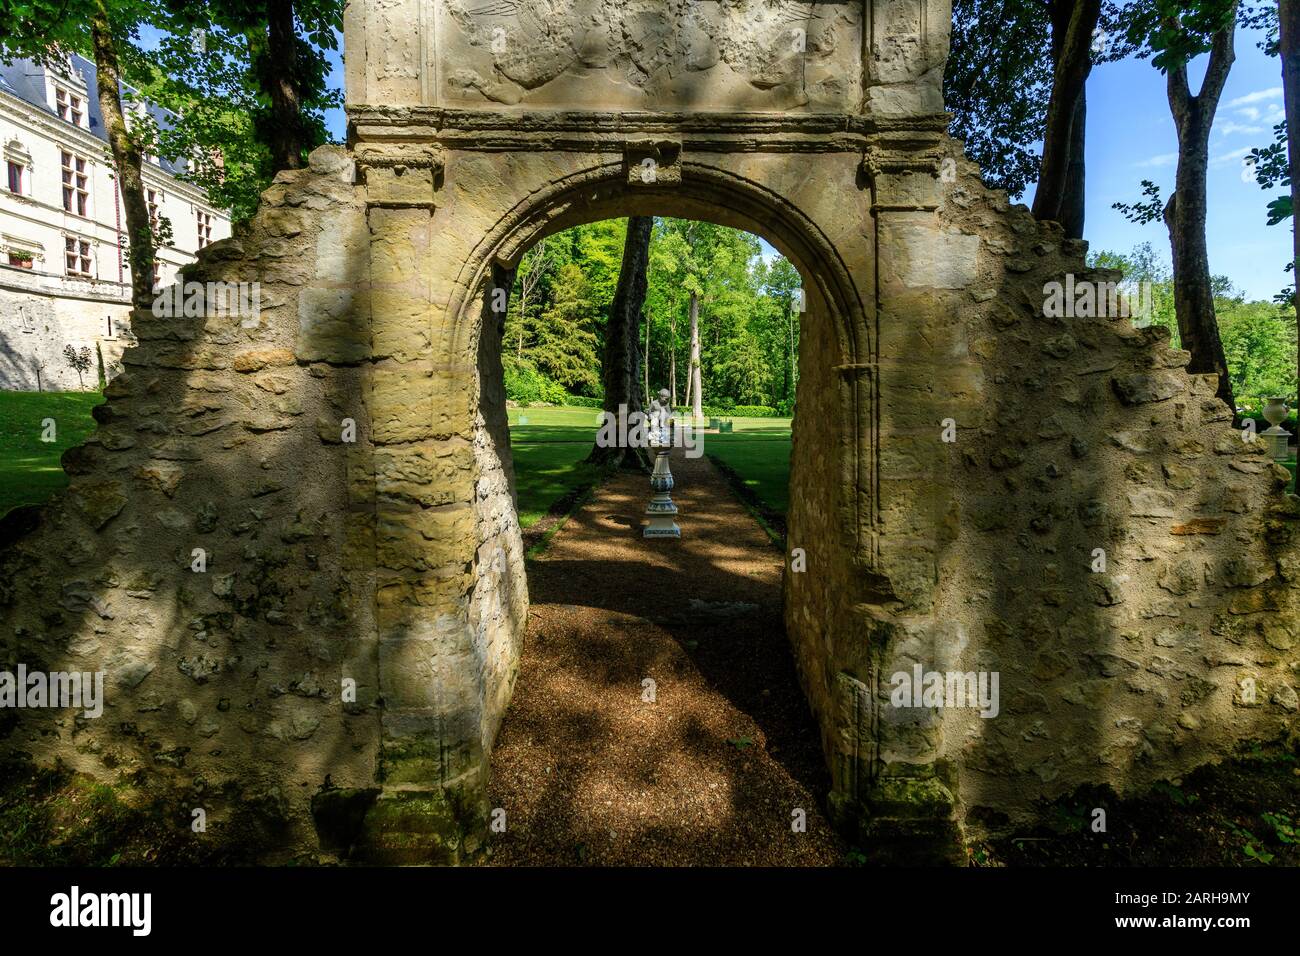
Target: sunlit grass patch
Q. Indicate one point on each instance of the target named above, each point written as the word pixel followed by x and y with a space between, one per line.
pixel 29 467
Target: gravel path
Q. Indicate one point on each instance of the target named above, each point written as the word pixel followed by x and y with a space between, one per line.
pixel 711 771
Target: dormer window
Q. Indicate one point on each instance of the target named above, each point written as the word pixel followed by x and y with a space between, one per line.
pixel 69 106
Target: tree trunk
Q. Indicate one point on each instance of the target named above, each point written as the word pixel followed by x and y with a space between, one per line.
pixel 672 356
pixel 697 391
pixel 1288 15
pixel 620 366
pixel 792 362
pixel 1073 64
pixel 281 79
pixel 690 382
pixel 788 377
pixel 1184 213
pixel 1072 210
pixel 127 159
pixel 645 364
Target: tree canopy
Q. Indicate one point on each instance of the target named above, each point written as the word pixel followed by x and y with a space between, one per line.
pixel 565 285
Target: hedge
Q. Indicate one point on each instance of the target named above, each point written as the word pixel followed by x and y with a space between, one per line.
pixel 526 385
pixel 732 411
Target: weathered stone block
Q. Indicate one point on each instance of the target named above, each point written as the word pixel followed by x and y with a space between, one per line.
pixel 333 325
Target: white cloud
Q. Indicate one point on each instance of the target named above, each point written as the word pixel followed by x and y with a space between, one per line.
pixel 1228 128
pixel 1272 93
pixel 1223 159
pixel 1271 113
pixel 1163 159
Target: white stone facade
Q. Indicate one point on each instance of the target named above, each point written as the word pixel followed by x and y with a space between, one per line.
pixel 64 276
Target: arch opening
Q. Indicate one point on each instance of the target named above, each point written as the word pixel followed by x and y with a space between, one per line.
pixel 831 469
pixel 592 607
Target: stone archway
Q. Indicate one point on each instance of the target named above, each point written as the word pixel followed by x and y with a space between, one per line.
pixel 342 663
pixel 512 197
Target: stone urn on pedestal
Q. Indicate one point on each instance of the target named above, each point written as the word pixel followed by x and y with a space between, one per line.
pixel 1275 412
pixel 661 511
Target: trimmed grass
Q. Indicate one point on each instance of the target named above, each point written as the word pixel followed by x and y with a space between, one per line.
pixel 549 445
pixel 758 451
pixel 29 468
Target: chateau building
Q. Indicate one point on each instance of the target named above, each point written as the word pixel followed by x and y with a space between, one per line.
pixel 64 276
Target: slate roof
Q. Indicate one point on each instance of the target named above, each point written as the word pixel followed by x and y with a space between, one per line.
pixel 26 80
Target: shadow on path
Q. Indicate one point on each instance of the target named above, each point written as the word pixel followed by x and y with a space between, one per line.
pixel 711 772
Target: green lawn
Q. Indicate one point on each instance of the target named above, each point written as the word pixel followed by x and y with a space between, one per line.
pixel 758 450
pixel 29 468
pixel 549 445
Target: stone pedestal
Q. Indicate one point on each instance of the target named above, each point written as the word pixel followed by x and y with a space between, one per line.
pixel 661 511
pixel 1277 437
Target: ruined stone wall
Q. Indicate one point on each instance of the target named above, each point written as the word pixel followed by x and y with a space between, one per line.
pixel 1074 440
pixel 1092 436
pixel 224 434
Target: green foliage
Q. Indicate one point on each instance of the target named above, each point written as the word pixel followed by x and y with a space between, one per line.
pixel 996 85
pixel 1284 830
pixel 211 66
pixel 526 385
pixel 1252 846
pixel 999 77
pixel 566 346
pixel 747 327
pixel 207 62
pixel 1150 209
pixel 1173 32
pixel 1258 337
pixel 564 288
pixel 1259 342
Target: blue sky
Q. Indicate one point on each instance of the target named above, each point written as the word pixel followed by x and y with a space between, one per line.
pixel 1131 138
